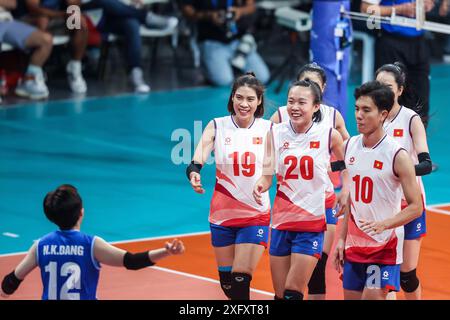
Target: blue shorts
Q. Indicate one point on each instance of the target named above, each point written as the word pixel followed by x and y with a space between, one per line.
pixel 15 33
pixel 227 236
pixel 416 228
pixel 330 216
pixel 284 243
pixel 358 276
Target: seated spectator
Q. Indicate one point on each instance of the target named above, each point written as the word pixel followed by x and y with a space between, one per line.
pixel 26 38
pixel 225 38
pixel 125 20
pixel 51 15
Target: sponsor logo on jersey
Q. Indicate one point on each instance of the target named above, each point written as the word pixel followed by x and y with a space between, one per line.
pixel 352 160
pixel 286 145
pixel 314 144
pixel 260 233
pixel 257 140
pixel 378 165
pixel 315 244
pixel 227 141
pixel 398 132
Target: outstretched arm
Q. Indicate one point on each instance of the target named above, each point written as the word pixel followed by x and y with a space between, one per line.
pixel 113 256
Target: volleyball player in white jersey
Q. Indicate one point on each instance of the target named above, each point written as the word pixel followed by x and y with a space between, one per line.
pixel 372 233
pixel 406 127
pixel 332 117
pixel 239 226
pixel 299 151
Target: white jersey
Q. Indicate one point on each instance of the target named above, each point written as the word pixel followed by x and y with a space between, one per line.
pixel 375 195
pixel 302 160
pixel 400 129
pixel 328 115
pixel 329 120
pixel 239 154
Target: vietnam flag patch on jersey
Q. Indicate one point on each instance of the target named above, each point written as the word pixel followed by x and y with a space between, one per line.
pixel 378 165
pixel 398 132
pixel 314 144
pixel 257 140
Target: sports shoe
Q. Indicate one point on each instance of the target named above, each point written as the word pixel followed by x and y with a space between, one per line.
pixel 155 21
pixel 75 77
pixel 32 87
pixel 137 79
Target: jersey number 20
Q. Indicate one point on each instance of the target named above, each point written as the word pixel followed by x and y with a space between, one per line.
pixel 306 167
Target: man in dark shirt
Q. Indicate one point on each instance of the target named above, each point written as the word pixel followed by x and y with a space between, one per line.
pixel 224 38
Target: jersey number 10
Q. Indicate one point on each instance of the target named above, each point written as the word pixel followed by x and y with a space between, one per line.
pixel 363 189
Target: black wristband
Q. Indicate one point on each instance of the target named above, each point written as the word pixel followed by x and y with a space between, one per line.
pixel 136 261
pixel 10 283
pixel 193 167
pixel 424 166
pixel 338 165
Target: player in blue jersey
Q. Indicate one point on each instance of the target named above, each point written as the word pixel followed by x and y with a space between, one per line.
pixel 70 259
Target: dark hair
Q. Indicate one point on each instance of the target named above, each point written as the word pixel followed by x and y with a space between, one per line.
pixel 317 93
pixel 63 206
pixel 381 95
pixel 397 69
pixel 248 80
pixel 315 68
pixel 408 98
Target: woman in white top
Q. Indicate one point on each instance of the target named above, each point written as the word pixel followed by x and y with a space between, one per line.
pixel 406 127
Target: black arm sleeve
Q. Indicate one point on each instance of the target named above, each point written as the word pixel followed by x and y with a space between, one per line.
pixel 424 166
pixel 193 167
pixel 136 261
pixel 10 283
pixel 338 166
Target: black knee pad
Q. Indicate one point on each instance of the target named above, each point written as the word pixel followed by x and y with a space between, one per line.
pixel 409 281
pixel 226 282
pixel 240 286
pixel 317 284
pixel 292 295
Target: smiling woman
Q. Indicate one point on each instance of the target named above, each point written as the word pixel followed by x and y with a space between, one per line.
pixel 239 225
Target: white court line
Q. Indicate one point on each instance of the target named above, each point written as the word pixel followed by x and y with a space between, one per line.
pixel 10 234
pixel 162 237
pixel 439 211
pixel 189 275
pixel 131 240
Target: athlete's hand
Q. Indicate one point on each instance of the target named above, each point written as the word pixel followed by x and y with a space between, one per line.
pixel 175 247
pixel 372 227
pixel 338 255
pixel 257 193
pixel 196 182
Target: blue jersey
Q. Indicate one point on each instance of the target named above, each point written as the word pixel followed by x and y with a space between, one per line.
pixel 405 31
pixel 69 270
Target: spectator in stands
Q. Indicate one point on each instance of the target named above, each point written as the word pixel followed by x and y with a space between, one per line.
pixel 125 20
pixel 27 38
pixel 225 38
pixel 406 45
pixel 51 15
